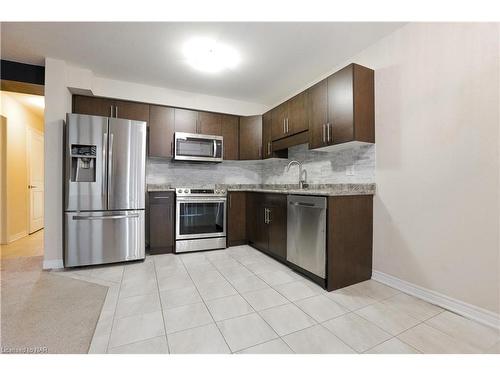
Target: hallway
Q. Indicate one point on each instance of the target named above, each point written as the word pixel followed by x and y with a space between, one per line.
pixel 28 246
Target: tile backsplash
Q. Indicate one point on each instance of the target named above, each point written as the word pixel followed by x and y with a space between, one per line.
pixel 321 167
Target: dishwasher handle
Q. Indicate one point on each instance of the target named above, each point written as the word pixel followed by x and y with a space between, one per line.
pixel 304 204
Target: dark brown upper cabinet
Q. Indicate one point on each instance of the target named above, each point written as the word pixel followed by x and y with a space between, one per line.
pixel 279 118
pixel 186 121
pixel 209 123
pixel 267 141
pixel 91 105
pixel 131 110
pixel 297 114
pixel 318 114
pixel 350 111
pixel 161 131
pixel 250 137
pixel 290 117
pixel 230 133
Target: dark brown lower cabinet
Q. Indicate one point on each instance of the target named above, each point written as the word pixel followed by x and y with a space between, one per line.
pixel 266 223
pixel 236 217
pixel 161 217
pixel 349 240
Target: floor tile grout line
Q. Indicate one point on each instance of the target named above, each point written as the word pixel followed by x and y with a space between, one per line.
pixel 114 310
pixel 136 342
pixel 161 307
pixel 257 312
pixel 206 307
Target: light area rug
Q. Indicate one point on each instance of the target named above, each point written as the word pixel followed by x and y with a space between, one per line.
pixel 42 312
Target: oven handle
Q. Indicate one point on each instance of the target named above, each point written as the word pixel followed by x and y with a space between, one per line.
pixel 201 200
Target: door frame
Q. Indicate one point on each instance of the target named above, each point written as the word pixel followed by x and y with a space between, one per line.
pixel 29 131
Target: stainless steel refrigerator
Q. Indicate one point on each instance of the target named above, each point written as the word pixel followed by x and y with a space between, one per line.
pixel 104 183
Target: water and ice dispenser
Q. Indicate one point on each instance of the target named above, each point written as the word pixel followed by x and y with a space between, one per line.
pixel 83 163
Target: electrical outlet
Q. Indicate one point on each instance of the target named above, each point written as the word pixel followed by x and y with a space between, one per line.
pixel 349 170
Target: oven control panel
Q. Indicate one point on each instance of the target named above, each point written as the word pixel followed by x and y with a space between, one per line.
pixel 200 192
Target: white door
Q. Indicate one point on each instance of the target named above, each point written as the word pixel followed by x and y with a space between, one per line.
pixel 35 179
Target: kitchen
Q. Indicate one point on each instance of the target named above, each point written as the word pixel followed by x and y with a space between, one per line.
pixel 192 216
pixel 325 217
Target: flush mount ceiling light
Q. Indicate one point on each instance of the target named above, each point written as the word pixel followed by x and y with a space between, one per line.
pixel 208 55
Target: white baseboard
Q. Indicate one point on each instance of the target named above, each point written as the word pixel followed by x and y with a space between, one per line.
pixel 476 313
pixel 17 236
pixel 53 264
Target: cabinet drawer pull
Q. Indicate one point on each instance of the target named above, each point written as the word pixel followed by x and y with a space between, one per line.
pixel 161 197
pixel 269 148
pixel 116 111
pixel 328 128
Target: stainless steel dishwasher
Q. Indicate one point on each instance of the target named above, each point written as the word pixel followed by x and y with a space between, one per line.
pixel 306 233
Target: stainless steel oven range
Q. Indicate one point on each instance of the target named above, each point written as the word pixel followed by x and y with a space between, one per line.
pixel 200 219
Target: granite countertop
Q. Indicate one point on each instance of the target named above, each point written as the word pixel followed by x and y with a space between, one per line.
pixel 313 189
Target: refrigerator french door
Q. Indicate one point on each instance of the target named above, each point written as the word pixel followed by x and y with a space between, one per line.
pixel 105 172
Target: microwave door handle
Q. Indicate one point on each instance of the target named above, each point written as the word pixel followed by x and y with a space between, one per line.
pixel 215 148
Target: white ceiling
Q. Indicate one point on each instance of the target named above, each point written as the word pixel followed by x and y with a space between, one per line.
pixel 278 59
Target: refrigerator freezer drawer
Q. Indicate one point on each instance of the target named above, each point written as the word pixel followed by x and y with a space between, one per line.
pixel 103 237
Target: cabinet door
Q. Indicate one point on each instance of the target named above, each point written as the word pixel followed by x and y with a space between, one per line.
pixel 277 206
pixel 161 131
pixel 236 233
pixel 267 143
pixel 230 132
pixel 341 106
pixel 209 123
pixel 257 229
pixel 89 105
pixel 317 106
pixel 131 110
pixel 250 137
pixel 279 115
pixel 185 120
pixel 297 114
pixel 161 222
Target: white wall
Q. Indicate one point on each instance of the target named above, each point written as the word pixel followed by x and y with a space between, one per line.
pixel 57 104
pixel 436 212
pixel 84 81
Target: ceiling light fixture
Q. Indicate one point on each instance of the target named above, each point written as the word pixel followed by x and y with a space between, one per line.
pixel 208 55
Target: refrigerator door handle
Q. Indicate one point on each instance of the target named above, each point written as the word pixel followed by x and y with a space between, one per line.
pixel 104 185
pixel 109 184
pixel 107 217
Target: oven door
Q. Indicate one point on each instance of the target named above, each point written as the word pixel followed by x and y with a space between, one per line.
pixel 198 147
pixel 200 217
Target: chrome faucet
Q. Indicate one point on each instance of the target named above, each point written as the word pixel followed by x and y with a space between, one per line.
pixel 302 181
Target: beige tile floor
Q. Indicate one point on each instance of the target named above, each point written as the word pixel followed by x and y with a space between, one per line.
pixel 239 300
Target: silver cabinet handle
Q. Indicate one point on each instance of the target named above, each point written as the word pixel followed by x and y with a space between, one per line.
pixel 284 131
pixel 116 111
pixel 324 133
pixel 328 128
pixel 164 197
pixel 215 148
pixel 108 217
pixel 287 128
pixel 110 111
pixel 269 148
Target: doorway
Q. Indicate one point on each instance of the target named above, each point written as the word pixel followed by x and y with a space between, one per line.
pixel 22 174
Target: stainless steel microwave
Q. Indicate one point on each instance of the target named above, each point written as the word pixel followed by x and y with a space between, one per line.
pixel 198 147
